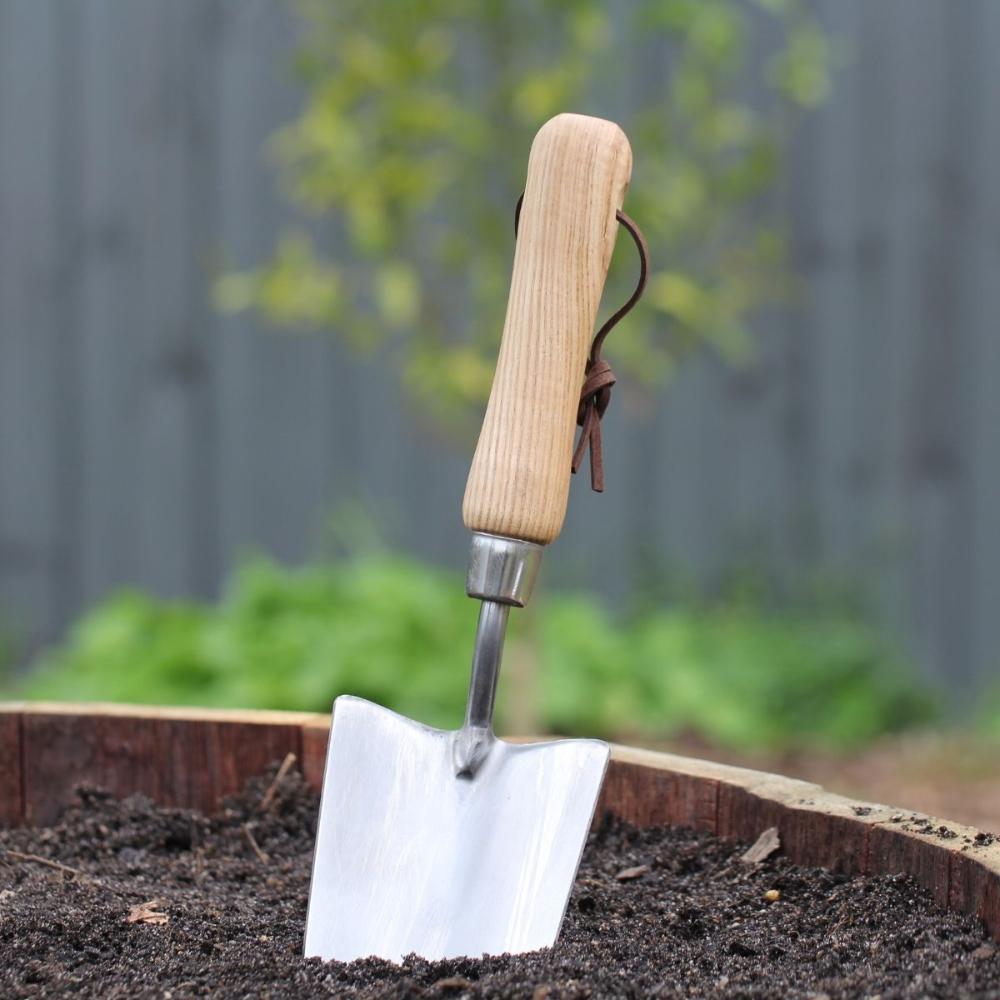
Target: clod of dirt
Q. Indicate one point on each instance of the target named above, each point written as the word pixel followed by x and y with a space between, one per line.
pixel 695 923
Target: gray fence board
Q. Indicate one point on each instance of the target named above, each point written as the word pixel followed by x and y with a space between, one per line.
pixel 29 345
pixel 110 317
pixel 284 410
pixel 984 291
pixel 68 251
pixel 873 370
pixel 926 343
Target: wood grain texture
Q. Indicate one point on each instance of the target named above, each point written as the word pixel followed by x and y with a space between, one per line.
pixel 315 737
pixel 578 172
pixel 195 757
pixel 11 792
pixel 958 865
pixel 187 760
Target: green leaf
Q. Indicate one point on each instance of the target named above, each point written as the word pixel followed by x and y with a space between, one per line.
pixel 397 291
pixel 409 150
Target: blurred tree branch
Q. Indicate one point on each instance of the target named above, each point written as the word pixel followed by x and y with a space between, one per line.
pixel 411 144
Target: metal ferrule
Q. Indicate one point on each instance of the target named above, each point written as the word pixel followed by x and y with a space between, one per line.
pixel 502 574
pixel 502 569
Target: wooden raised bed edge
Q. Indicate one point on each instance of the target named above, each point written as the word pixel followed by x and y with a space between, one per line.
pixel 195 757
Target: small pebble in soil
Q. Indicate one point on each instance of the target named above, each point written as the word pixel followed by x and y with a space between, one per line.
pixel 138 901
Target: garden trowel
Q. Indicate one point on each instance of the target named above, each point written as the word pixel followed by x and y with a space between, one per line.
pixel 457 843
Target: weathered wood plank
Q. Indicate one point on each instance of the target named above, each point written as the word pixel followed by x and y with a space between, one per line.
pixel 11 791
pixel 894 848
pixel 192 762
pixel 959 866
pixel 657 797
pixel 974 884
pixel 315 737
pixel 815 828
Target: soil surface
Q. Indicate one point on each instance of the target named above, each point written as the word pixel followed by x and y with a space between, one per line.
pixel 127 899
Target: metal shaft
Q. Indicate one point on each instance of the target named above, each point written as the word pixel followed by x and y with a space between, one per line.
pixel 502 572
pixel 486 657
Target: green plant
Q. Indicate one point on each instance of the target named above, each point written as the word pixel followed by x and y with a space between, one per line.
pixel 400 633
pixel 385 629
pixel 411 143
pixel 986 716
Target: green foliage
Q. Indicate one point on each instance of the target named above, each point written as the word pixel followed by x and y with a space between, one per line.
pixel 986 715
pixel 400 633
pixel 411 145
pixel 731 673
pixel 391 631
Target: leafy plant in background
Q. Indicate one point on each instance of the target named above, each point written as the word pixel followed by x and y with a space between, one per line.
pixel 987 714
pixel 400 633
pixel 411 143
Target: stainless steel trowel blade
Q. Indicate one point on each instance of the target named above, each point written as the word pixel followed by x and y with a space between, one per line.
pixel 412 859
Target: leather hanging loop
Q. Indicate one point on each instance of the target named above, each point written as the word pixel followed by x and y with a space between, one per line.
pixel 598 375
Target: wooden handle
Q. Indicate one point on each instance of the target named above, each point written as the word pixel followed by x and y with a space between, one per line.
pixel 578 172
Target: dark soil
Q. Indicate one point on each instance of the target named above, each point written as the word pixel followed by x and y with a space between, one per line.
pixel 666 913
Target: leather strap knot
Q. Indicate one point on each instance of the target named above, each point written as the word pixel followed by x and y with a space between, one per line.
pixel 596 392
pixel 598 377
pixel 594 399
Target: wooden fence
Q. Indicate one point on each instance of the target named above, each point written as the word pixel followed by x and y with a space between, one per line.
pixel 145 439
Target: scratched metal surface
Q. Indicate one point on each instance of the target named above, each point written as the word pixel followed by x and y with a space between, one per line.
pixel 410 858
